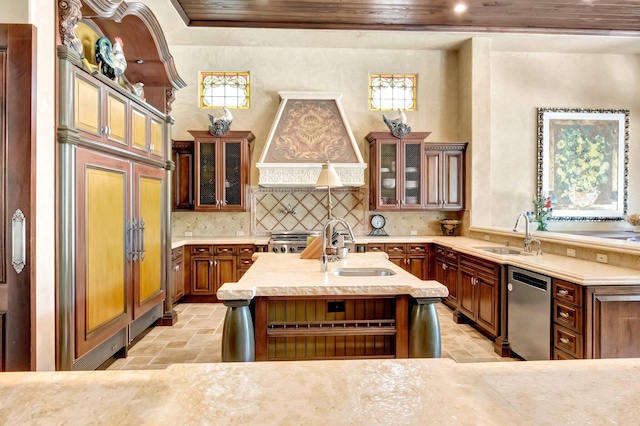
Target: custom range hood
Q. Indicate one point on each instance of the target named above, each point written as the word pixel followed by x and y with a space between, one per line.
pixel 309 129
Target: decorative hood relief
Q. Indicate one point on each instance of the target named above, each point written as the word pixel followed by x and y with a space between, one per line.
pixel 309 129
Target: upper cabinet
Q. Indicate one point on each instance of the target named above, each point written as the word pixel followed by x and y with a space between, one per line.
pixel 411 174
pixel 444 173
pixel 221 167
pixel 396 168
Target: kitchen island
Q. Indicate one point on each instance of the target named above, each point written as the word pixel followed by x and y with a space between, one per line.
pixel 285 307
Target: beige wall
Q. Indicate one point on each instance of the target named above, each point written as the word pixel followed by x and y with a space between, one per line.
pixel 522 82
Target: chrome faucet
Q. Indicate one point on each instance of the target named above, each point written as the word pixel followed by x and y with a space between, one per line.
pixel 328 228
pixel 527 232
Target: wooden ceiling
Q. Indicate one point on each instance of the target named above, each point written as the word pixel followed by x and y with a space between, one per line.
pixel 602 17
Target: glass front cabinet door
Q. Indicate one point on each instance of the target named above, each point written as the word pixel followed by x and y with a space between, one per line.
pixel 221 170
pixel 396 168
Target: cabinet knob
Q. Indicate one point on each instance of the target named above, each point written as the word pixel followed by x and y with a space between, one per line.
pixel 565 341
pixel 444 266
pixel 563 292
pixel 211 263
pixel 564 315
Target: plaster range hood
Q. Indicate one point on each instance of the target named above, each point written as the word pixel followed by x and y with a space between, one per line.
pixel 309 129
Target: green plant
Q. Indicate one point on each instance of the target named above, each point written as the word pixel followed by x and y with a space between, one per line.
pixel 582 160
pixel 543 209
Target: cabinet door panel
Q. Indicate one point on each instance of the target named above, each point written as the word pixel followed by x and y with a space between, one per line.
pixel 116 118
pixel 206 191
pixel 87 104
pixel 452 185
pixel 411 180
pixel 149 200
pixel 225 271
pixel 466 293
pixel 102 270
pixel 433 198
pixel 232 188
pixel 487 316
pixel 157 137
pixel 417 265
pixel 138 130
pixel 202 275
pixel 388 178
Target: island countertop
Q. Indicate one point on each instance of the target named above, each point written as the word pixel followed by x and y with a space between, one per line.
pixel 289 275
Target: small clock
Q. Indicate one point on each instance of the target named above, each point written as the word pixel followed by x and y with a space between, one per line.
pixel 377 226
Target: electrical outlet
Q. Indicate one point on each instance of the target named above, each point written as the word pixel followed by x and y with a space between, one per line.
pixel 602 258
pixel 487 238
pixel 571 252
pixel 239 233
pixel 188 234
pixel 413 232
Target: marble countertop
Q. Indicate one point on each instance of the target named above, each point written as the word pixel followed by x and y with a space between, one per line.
pixel 578 271
pixel 287 275
pixel 341 392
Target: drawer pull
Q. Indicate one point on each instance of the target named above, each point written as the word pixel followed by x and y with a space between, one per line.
pixel 564 315
pixel 563 292
pixel 564 340
pixel 444 266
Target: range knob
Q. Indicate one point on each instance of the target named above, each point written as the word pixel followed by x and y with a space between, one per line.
pixel 275 249
pixel 283 249
pixel 292 249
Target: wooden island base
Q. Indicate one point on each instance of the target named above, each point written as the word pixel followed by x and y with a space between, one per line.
pixel 329 327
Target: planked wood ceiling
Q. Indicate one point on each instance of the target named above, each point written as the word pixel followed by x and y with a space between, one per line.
pixel 604 17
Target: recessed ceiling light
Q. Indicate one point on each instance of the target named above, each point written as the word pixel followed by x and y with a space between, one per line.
pixel 460 7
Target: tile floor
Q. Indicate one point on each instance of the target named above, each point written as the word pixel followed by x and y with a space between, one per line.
pixel 197 337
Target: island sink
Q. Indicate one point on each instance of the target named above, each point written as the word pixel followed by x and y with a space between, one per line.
pixel 362 272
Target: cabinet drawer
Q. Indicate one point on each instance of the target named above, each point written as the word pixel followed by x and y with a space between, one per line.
pixel 568 292
pixel 196 250
pixel 244 262
pixel 418 248
pixel 558 354
pixel 440 250
pixel 177 253
pixel 375 247
pixel 567 315
pixel 395 248
pixel 567 340
pixel 226 250
pixel 246 249
pixel 479 265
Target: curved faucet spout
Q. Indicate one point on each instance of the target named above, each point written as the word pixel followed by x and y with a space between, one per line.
pixel 527 231
pixel 328 228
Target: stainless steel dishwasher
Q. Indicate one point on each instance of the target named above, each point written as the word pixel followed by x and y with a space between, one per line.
pixel 529 314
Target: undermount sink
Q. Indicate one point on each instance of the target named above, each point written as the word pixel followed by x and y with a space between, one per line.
pixel 362 272
pixel 500 250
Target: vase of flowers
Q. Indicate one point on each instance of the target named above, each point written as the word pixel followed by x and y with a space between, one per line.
pixel 543 207
pixel 634 220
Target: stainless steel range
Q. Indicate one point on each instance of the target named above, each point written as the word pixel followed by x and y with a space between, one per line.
pixel 289 241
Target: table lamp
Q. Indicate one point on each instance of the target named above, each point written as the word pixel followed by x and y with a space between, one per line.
pixel 328 179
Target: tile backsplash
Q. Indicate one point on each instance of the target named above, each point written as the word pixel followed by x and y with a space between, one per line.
pixel 286 209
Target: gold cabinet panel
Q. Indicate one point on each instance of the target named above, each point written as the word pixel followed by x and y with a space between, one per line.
pixel 105 193
pixel 86 114
pixel 157 137
pixel 117 118
pixel 138 130
pixel 151 190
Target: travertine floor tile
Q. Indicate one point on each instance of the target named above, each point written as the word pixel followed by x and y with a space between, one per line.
pixel 197 338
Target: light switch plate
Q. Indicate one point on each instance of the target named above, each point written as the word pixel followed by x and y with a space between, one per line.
pixel 487 238
pixel 188 234
pixel 571 252
pixel 602 258
pixel 239 233
pixel 413 232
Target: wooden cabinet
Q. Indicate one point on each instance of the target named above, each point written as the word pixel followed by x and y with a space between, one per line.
pixel 396 171
pixel 147 132
pixel 99 112
pixel 444 176
pixel 595 321
pixel 182 184
pixel 412 257
pixel 479 292
pixel 446 273
pixel 221 170
pixel 119 252
pixel 213 265
pixel 202 271
pixel 177 273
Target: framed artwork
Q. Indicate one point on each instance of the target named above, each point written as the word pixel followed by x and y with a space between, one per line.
pixel 583 162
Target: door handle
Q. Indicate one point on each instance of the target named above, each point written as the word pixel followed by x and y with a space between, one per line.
pixel 132 234
pixel 18 241
pixel 141 251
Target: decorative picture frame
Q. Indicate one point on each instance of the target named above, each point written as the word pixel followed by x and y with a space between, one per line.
pixel 583 160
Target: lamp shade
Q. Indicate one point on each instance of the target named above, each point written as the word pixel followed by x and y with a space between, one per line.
pixel 328 177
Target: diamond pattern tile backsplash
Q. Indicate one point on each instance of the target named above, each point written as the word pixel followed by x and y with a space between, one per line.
pixel 287 209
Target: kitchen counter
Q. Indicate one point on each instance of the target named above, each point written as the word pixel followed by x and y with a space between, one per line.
pixel 287 275
pixel 575 270
pixel 363 392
